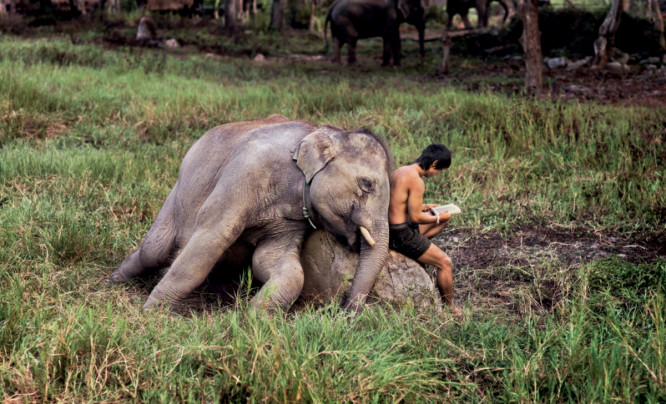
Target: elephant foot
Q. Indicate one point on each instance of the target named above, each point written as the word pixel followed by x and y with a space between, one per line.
pixel 117 277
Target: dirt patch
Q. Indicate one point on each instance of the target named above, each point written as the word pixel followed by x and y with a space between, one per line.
pixel 534 268
pixel 569 247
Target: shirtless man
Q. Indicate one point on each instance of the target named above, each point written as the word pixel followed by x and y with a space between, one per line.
pixel 412 225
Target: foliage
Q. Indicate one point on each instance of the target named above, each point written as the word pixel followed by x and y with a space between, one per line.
pixel 90 143
pixel 567 32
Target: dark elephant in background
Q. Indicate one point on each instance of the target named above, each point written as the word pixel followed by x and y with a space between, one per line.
pixel 251 191
pixel 461 8
pixel 352 20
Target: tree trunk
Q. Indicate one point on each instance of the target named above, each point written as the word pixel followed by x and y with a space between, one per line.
pixel 230 15
pixel 277 15
pixel 607 32
pixel 240 10
pixel 313 7
pixel 446 52
pixel 531 43
pixel 114 7
pixel 654 14
pixel 12 7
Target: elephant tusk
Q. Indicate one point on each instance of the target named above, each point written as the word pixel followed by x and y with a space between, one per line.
pixel 366 235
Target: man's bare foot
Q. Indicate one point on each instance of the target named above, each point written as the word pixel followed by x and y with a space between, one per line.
pixel 456 311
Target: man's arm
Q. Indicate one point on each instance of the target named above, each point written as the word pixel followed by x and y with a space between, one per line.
pixel 427 206
pixel 418 212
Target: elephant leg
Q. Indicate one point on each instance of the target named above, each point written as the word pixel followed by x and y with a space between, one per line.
pixel 192 266
pixel 276 263
pixel 468 25
pixel 155 251
pixel 336 50
pixel 397 49
pixel 386 54
pixel 483 9
pixel 351 51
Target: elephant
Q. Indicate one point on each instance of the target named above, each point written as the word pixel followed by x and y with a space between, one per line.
pixel 352 20
pixel 251 192
pixel 461 7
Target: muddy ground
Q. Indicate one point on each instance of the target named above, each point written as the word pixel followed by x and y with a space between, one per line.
pixel 489 268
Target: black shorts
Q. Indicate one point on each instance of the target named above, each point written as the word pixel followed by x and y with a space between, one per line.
pixel 406 239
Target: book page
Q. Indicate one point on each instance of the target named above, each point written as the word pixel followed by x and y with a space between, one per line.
pixel 451 208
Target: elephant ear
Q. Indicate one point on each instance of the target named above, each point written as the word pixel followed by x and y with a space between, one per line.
pixel 315 151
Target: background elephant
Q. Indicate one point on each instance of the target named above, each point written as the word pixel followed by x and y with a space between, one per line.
pixel 241 195
pixel 352 20
pixel 461 7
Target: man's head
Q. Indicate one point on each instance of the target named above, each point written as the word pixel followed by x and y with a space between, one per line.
pixel 436 154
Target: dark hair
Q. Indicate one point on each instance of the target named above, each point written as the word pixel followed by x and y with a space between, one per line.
pixel 435 152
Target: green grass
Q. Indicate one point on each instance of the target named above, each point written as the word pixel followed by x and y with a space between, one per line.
pixel 90 144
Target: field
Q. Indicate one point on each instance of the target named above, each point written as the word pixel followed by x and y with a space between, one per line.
pixel 559 257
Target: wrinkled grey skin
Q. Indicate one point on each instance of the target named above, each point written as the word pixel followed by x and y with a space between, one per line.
pixel 461 7
pixel 352 20
pixel 240 193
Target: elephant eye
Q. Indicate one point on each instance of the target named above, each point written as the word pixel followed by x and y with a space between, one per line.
pixel 366 184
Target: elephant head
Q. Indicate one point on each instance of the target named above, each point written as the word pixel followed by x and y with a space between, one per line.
pixel 413 12
pixel 347 189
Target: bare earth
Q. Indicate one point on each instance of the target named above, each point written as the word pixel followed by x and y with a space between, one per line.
pixel 490 267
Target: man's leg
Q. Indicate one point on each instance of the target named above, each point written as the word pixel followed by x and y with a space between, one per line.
pixel 430 230
pixel 436 257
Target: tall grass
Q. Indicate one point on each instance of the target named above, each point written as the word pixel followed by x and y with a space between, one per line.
pixel 90 144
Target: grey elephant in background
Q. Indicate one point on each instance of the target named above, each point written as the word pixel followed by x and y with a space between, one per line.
pixel 243 193
pixel 352 20
pixel 461 7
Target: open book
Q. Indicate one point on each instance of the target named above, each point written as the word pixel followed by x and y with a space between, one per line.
pixel 451 208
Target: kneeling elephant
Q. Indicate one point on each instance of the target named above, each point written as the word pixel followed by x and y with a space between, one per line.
pixel 250 191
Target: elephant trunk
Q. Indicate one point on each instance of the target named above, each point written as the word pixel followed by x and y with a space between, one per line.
pixel 372 260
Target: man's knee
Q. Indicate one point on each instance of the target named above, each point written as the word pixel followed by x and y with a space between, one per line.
pixel 445 261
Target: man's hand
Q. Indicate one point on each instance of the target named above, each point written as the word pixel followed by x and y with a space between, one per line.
pixel 427 206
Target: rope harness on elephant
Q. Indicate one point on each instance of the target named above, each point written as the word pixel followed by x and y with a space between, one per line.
pixel 306 214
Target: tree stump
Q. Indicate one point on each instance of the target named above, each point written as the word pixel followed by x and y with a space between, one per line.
pixel 146 30
pixel 531 43
pixel 607 32
pixel 329 268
